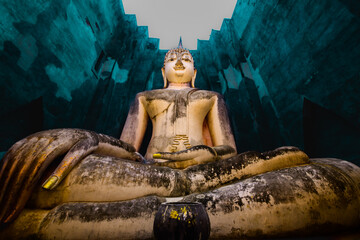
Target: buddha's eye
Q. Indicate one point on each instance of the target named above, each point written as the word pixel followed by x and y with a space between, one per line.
pixel 186 59
pixel 171 59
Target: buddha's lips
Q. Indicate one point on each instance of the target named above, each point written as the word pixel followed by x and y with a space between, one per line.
pixel 179 68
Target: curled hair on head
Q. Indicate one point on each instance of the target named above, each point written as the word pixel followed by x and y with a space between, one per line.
pixel 179 49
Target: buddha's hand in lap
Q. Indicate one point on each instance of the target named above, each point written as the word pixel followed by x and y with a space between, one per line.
pixel 193 156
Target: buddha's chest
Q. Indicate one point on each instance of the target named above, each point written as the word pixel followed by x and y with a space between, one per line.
pixel 179 106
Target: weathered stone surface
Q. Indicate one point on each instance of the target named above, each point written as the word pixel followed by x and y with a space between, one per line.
pixel 113 220
pixel 321 197
pixel 99 178
pixel 293 201
pixel 108 220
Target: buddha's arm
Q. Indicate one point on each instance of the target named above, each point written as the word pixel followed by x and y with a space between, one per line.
pixel 136 123
pixel 220 130
pixel 90 142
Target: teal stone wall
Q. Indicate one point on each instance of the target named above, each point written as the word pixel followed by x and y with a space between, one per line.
pixel 71 64
pixel 299 83
pixel 289 71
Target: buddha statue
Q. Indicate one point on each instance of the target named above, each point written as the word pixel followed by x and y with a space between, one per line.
pixel 190 126
pixel 77 184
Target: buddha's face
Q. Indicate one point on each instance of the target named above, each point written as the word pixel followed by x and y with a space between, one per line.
pixel 178 67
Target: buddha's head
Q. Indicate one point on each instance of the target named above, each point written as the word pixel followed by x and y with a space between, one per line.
pixel 178 66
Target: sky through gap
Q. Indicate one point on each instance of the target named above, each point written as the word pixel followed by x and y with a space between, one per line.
pixel 170 19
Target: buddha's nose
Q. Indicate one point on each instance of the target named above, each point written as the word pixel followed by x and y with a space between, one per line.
pixel 179 63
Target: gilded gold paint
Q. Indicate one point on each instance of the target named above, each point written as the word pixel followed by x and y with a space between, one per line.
pixel 174 214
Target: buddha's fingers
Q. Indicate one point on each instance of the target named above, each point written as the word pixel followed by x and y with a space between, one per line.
pixel 4 162
pixel 77 152
pixel 199 154
pixel 178 164
pixel 29 162
pixel 13 161
pixel 21 162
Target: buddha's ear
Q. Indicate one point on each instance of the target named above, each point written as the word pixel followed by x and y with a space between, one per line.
pixel 164 77
pixel 193 79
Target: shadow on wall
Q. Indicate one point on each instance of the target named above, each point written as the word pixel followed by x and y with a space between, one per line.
pixel 327 134
pixel 21 122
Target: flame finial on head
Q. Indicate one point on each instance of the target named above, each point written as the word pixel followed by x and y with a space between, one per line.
pixel 180 43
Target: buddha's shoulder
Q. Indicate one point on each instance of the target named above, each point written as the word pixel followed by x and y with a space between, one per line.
pixel 205 94
pixel 169 94
pixel 158 94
